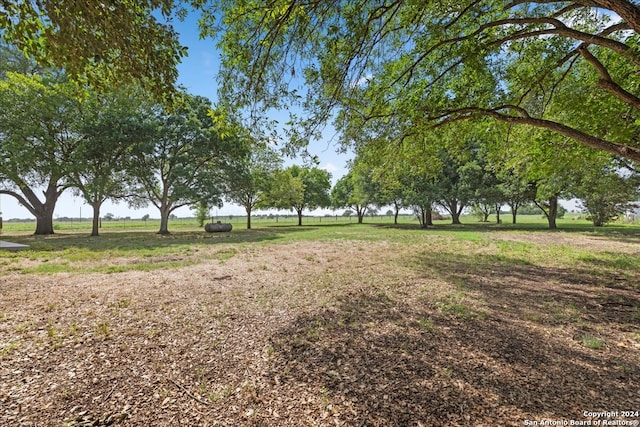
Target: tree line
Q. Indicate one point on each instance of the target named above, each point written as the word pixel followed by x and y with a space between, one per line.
pixel 445 103
pixel 122 145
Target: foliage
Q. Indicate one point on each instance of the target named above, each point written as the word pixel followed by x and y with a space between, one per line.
pixel 183 161
pixel 104 44
pixel 13 60
pixel 402 67
pixel 38 122
pixel 111 124
pixel 286 190
pixel 249 178
pixel 605 193
pixel 517 190
pixel 302 187
pixel 356 190
pixel 202 212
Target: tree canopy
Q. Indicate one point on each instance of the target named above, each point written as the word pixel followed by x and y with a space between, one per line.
pixel 299 188
pixel 570 67
pixel 38 123
pixel 249 178
pixel 183 161
pixel 103 43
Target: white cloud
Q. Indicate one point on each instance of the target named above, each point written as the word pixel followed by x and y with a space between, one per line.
pixel 330 167
pixel 364 80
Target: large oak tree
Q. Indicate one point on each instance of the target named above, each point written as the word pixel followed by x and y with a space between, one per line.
pixel 38 119
pixel 183 161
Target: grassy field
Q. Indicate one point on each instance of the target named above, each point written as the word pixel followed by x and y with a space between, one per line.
pixel 331 323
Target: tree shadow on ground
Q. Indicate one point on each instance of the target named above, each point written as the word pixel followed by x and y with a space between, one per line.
pixel 398 360
pixel 603 293
pixel 136 240
pixel 624 234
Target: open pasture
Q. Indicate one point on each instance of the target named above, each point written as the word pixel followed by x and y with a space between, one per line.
pixel 326 324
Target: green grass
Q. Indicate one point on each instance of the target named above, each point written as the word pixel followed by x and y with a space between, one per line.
pixel 134 245
pixel 592 342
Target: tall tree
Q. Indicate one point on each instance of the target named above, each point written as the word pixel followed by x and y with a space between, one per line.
pixel 356 190
pixel 38 122
pixel 104 43
pixel 439 61
pixel 300 188
pixel 183 160
pixel 111 125
pixel 249 179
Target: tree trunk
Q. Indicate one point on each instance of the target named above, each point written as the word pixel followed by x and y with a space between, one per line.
pixel 514 213
pixel 42 211
pixel 96 218
pixel 428 216
pixel 397 211
pixel 455 213
pixel 360 211
pixel 44 223
pixel 299 216
pixel 498 221
pixel 248 209
pixel 454 210
pixel 425 216
pixel 553 212
pixel 164 220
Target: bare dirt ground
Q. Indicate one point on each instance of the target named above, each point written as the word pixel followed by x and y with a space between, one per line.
pixel 320 334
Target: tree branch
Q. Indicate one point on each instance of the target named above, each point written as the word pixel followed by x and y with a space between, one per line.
pixel 625 151
pixel 606 82
pixel 20 200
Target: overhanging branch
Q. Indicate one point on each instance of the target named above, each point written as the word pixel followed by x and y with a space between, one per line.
pixel 625 151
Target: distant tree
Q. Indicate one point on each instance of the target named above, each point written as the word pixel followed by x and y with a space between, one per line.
pixel 145 217
pixel 249 178
pixel 202 211
pixel 356 190
pixel 286 190
pixel 488 196
pixel 606 193
pixel 516 189
pixel 316 183
pixel 456 186
pixel 109 216
pixel 347 212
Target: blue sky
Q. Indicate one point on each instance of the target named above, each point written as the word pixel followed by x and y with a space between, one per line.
pixel 197 73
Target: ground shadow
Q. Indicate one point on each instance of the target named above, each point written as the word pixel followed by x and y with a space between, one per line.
pixel 137 240
pixel 626 233
pixel 511 285
pixel 393 361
